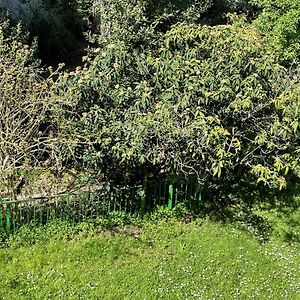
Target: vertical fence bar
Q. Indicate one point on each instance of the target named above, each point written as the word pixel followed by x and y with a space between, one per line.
pixel 27 215
pixel 160 193
pixel 175 190
pixel 97 204
pixel 1 218
pixel 143 199
pixel 74 201
pixel 103 203
pixel 91 205
pixel 7 212
pixel 126 200
pixel 55 211
pixel 85 204
pixel 34 213
pixel 170 199
pixel 154 193
pixel 109 194
pixel 14 220
pixel 15 217
pixel 41 209
pixel 67 207
pixel 79 206
pixel 47 215
pixel 115 198
pixel 21 216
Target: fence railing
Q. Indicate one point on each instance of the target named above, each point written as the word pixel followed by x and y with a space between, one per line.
pixel 99 203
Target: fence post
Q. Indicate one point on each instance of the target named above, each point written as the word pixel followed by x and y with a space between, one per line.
pixel 171 193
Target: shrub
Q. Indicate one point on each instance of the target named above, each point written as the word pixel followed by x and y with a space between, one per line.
pixel 207 100
pixel 30 109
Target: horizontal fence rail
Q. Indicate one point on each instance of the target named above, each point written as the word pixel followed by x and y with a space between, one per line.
pixel 77 207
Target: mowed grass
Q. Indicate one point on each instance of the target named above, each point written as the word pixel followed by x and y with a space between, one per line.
pixel 166 259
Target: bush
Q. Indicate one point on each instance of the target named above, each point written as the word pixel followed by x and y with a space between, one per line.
pixel 30 109
pixel 206 100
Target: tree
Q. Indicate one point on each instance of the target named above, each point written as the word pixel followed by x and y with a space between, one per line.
pixel 30 110
pixel 205 101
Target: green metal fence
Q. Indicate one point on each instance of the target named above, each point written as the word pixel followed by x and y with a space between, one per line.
pixel 73 208
pixel 170 191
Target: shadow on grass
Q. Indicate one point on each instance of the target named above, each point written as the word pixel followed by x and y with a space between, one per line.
pixel 264 213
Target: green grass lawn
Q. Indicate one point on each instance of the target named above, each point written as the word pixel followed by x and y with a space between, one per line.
pixel 165 259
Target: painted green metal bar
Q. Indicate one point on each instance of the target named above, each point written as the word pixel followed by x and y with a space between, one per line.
pixel 143 198
pixel 114 199
pixel 41 214
pixel 84 204
pixel 47 214
pixel 27 215
pixel 160 193
pixel 129 203
pixel 92 201
pixel 7 213
pixel 15 217
pixel 73 207
pixel 34 214
pixel 175 190
pixel 67 207
pixel 103 203
pixel 171 193
pixel 79 206
pixel 165 194
pixel 53 212
pixel 21 215
pixel 1 218
pixel 126 200
pixel 97 204
pixel 108 205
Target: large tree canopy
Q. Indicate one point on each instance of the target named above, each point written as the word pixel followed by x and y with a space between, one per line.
pixel 205 101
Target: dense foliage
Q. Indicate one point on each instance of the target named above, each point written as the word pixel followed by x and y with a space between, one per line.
pixel 279 21
pixel 30 123
pixel 205 101
pixel 163 88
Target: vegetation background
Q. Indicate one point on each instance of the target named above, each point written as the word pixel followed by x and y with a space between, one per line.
pixel 140 88
pixel 120 91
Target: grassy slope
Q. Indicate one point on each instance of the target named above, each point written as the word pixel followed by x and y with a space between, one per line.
pixel 166 260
